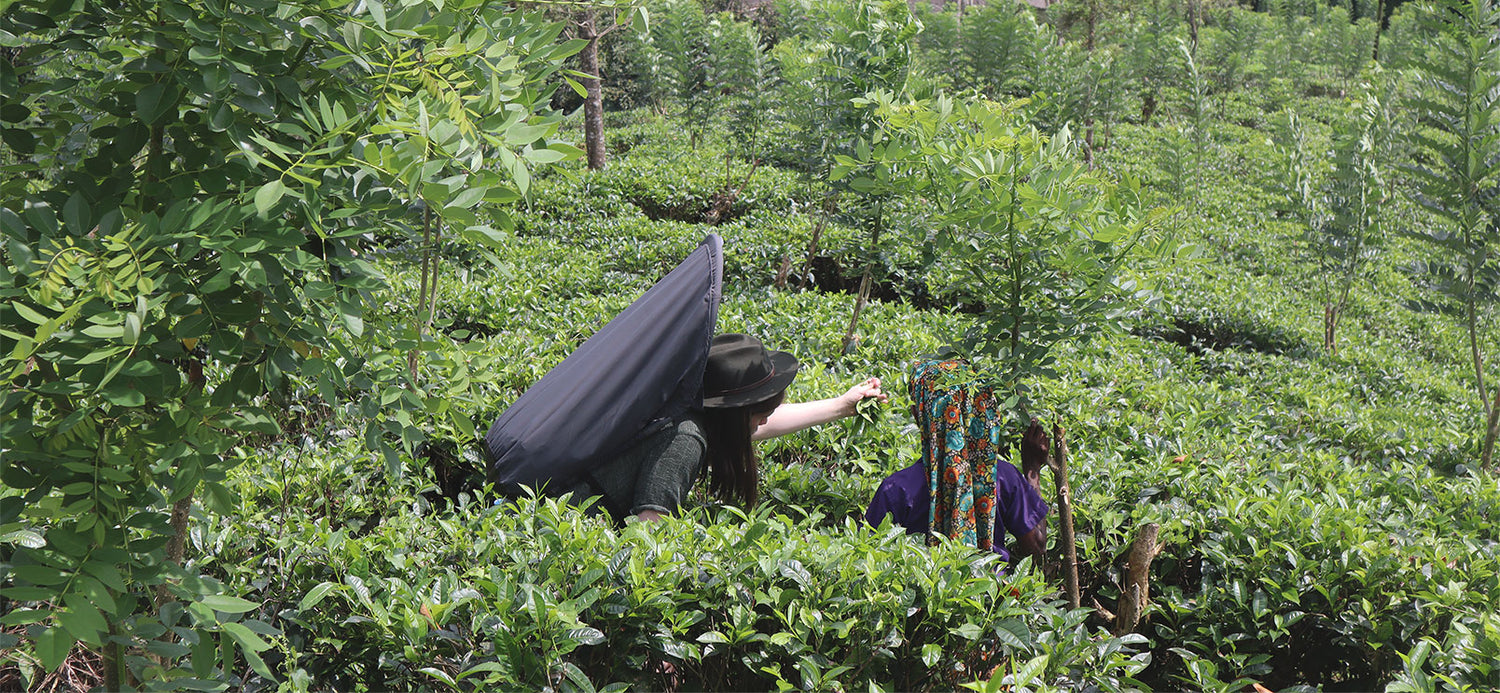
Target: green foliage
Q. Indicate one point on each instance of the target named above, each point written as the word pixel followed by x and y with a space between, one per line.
pixel 999 49
pixel 1326 523
pixel 1148 53
pixel 682 49
pixel 1194 122
pixel 862 47
pixel 532 593
pixel 1079 89
pixel 1229 52
pixel 1348 45
pixel 748 78
pixel 1343 210
pixel 1459 107
pixel 1025 231
pixel 1283 54
pixel 183 222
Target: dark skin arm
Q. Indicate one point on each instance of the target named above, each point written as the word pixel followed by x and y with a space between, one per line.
pixel 1034 447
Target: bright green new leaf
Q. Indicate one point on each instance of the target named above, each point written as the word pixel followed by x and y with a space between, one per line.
pixel 266 197
pixel 228 604
pixel 316 595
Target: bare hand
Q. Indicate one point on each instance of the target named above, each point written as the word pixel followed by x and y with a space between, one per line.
pixel 869 389
pixel 1034 448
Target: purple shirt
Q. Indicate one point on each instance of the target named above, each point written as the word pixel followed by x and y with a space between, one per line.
pixel 905 497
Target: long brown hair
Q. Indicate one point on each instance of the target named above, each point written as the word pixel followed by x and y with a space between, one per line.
pixel 733 473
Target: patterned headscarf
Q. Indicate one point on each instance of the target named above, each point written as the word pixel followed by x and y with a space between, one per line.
pixel 960 423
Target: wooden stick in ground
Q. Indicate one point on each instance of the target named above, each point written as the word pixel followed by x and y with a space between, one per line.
pixel 1065 513
pixel 1137 588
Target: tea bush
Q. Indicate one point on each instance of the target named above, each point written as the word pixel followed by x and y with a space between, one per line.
pixel 1325 523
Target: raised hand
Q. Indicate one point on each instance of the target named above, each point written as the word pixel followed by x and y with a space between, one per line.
pixel 1035 446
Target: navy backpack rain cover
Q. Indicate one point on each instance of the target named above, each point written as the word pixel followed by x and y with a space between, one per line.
pixel 640 371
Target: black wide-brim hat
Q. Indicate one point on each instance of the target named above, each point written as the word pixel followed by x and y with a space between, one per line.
pixel 742 372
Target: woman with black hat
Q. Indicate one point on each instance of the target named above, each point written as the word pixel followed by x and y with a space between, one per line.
pixel 744 385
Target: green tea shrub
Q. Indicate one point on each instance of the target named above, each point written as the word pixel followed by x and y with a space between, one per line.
pixel 1464 659
pixel 1251 572
pixel 533 593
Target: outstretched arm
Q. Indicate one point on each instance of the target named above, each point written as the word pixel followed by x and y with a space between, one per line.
pixel 796 416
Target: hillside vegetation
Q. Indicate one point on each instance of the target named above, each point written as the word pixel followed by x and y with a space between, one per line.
pixel 1326 514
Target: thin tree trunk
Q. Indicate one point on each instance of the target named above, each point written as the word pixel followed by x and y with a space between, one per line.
pixel 593 104
pixel 1093 22
pixel 781 274
pixel 1088 143
pixel 1328 318
pixel 1015 272
pixel 113 663
pixel 1136 590
pixel 1490 432
pixel 864 283
pixel 1193 20
pixel 1473 324
pixel 429 281
pixel 1065 515
pixel 176 543
pixel 812 245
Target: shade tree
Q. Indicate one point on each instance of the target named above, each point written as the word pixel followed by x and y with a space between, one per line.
pixel 190 196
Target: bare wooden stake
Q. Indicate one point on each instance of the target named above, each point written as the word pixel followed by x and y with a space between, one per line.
pixel 1065 513
pixel 1137 588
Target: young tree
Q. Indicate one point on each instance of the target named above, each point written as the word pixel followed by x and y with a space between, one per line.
pixel 1047 247
pixel 1343 209
pixel 866 48
pixel 1458 113
pixel 1000 44
pixel 747 78
pixel 188 189
pixel 686 59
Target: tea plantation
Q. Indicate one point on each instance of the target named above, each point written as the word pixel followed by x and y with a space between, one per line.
pixel 1327 518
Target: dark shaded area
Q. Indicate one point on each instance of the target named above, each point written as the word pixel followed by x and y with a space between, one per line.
pixel 464 328
pixel 1200 337
pixel 455 470
pixel 713 212
pixel 831 276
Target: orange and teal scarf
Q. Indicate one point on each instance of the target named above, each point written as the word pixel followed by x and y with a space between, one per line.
pixel 960 423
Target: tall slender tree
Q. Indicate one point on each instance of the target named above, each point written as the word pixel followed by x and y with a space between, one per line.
pixel 1459 117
